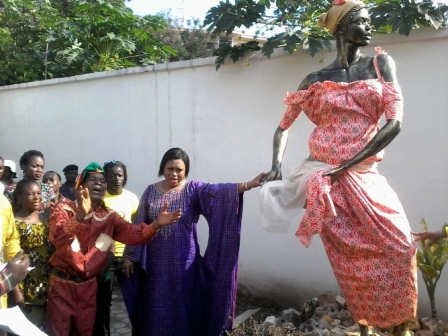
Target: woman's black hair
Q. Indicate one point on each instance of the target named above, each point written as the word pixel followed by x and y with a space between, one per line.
pixel 21 185
pixel 111 164
pixel 175 154
pixel 25 158
pixel 53 172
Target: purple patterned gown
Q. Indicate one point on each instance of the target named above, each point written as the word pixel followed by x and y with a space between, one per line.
pixel 174 291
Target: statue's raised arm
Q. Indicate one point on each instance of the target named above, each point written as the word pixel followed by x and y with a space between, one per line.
pixel 279 142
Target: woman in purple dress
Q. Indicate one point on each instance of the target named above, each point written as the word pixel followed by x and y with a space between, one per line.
pixel 171 290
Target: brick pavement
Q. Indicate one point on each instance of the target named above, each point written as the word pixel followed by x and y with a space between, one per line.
pixel 119 321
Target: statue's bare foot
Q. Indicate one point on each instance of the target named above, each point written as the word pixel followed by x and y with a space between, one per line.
pixel 367 330
pixel 402 330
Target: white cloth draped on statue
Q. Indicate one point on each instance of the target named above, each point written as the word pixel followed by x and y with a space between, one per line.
pixel 281 201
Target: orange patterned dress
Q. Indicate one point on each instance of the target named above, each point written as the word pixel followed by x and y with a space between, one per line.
pixel 359 218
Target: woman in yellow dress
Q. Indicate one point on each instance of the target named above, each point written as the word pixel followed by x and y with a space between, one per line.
pixel 33 231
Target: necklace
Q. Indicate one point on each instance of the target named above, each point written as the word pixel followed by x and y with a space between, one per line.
pixel 175 189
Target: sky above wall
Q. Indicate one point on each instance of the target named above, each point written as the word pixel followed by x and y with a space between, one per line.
pixel 179 8
pixel 189 8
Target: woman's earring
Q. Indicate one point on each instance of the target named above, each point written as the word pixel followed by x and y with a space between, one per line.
pixel 23 174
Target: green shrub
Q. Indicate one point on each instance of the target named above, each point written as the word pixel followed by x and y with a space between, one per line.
pixel 430 261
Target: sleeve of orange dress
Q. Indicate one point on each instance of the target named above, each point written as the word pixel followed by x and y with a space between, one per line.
pixel 292 111
pixel 393 101
pixel 392 97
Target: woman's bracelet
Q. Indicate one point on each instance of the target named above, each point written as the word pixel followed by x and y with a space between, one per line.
pixel 246 187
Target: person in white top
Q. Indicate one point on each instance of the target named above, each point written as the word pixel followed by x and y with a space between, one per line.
pixel 7 174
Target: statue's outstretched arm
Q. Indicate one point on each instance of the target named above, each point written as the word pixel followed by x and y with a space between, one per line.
pixel 384 137
pixel 280 141
pixel 281 136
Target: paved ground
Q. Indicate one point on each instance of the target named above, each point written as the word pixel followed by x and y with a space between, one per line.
pixel 259 309
pixel 119 322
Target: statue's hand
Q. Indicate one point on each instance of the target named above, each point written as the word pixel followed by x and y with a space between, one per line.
pixel 273 174
pixel 334 173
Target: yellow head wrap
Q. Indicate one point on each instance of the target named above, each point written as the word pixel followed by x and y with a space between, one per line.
pixel 331 18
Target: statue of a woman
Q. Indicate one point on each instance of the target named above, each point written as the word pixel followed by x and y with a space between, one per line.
pixel 358 216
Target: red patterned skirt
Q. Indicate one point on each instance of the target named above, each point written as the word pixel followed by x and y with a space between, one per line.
pixel 368 242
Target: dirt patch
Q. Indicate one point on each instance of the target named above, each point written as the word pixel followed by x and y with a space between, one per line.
pixel 267 307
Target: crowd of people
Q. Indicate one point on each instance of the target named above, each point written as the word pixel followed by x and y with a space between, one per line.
pixel 78 235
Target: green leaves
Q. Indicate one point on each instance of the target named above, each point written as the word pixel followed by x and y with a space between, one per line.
pixel 315 43
pixel 395 16
pixel 297 20
pixel 428 271
pixel 434 256
pixel 45 39
pixel 424 225
pixel 235 53
pixel 403 16
pixel 430 261
pixel 440 257
pixel 292 41
pixel 273 43
pixel 189 43
pixel 225 17
pixel 434 16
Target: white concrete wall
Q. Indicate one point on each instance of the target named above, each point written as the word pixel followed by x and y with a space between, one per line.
pixel 225 121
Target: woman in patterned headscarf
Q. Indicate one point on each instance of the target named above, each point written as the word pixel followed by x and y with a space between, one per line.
pixel 356 213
